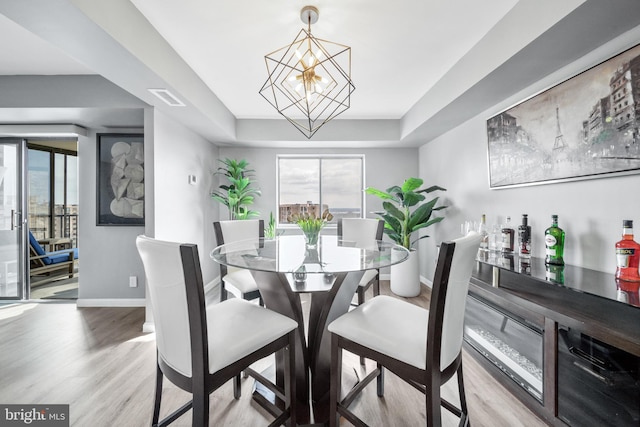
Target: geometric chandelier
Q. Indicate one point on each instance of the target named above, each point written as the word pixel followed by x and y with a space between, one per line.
pixel 309 80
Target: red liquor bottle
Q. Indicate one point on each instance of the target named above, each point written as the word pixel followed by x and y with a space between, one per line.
pixel 627 254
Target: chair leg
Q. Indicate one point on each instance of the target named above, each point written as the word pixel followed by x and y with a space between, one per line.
pixel 360 293
pixel 223 292
pixel 290 380
pixel 336 378
pixel 432 398
pixel 376 287
pixel 236 387
pixel 158 397
pixel 200 410
pixel 464 418
pixel 380 381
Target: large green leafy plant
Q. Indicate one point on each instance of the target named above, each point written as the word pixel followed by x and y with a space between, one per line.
pixel 238 194
pixel 406 211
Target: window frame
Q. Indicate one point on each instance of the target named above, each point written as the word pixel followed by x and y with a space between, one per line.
pixel 320 157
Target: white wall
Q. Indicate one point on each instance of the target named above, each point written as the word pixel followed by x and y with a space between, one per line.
pixel 590 211
pixel 184 212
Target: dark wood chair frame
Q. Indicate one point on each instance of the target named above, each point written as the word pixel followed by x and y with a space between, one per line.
pixel 223 268
pixel 202 383
pixel 376 280
pixel 427 381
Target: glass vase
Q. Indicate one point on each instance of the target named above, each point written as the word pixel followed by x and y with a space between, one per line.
pixel 311 238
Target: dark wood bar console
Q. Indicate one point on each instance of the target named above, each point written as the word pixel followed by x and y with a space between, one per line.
pixel 564 340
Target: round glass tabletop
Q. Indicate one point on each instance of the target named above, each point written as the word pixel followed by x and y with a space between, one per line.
pixel 288 254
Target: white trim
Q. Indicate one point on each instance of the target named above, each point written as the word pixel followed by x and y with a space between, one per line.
pixel 212 285
pixel 111 302
pixel 427 282
pixel 50 130
pixel 148 327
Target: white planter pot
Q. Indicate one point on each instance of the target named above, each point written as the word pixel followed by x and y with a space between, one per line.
pixel 405 277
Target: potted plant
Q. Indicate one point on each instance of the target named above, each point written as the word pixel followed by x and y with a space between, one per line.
pixel 271 231
pixel 239 193
pixel 406 211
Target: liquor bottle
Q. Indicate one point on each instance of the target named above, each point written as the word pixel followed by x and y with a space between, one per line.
pixel 554 273
pixel 484 236
pixel 495 239
pixel 628 292
pixel 554 243
pixel 508 235
pixel 524 238
pixel 627 254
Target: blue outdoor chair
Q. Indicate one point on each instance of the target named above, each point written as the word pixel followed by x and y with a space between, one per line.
pixel 45 266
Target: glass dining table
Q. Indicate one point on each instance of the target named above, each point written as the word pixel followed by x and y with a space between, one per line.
pixel 286 268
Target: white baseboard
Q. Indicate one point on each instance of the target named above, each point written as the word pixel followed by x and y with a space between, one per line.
pixel 426 281
pixel 423 280
pixel 212 285
pixel 148 327
pixel 111 302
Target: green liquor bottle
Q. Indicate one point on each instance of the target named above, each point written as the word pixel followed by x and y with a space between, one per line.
pixel 554 243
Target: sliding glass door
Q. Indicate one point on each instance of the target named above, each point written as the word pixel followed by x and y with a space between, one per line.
pixel 12 219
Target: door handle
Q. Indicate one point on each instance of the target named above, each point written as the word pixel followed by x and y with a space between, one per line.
pixel 15 219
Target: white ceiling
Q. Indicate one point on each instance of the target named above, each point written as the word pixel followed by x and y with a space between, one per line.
pixel 399 48
pixel 419 67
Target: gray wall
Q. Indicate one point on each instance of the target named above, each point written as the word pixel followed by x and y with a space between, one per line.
pixel 590 211
pixel 108 254
pixel 184 212
pixel 174 209
pixel 383 168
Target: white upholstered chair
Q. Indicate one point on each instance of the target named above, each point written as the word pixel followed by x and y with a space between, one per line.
pixel 198 348
pixel 238 281
pixel 363 231
pixel 423 347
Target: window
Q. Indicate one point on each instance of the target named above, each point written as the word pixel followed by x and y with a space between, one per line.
pixel 53 192
pixel 311 184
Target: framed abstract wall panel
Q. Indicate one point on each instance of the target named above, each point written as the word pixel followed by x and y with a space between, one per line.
pixel 120 183
pixel 585 127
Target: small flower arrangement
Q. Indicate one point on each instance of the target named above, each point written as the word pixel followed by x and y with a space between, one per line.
pixel 311 225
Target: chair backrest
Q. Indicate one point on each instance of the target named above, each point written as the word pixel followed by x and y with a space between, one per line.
pixel 235 230
pixel 449 297
pixel 360 230
pixel 37 250
pixel 176 294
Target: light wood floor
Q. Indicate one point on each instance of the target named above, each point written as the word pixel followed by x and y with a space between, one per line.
pixel 99 362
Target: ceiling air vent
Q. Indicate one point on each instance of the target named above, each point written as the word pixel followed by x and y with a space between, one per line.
pixel 167 97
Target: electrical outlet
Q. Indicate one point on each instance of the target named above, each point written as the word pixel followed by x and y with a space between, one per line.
pixel 133 282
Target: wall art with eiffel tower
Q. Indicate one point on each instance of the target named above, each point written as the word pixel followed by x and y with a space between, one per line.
pixel 585 127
